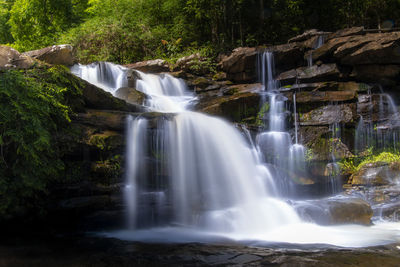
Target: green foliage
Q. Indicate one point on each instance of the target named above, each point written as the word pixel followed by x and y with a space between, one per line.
pixel 38 23
pixel 386 157
pixel 33 113
pixel 5 33
pixel 354 164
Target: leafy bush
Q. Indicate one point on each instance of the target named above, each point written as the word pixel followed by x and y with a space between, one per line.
pixel 33 113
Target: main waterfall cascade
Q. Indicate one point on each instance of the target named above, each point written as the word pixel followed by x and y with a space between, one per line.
pixel 191 177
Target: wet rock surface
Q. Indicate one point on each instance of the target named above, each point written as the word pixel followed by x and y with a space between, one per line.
pixel 336 211
pixel 92 251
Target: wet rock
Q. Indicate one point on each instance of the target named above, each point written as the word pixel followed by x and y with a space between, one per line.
pixel 375 48
pixel 336 211
pixel 375 107
pixel 325 72
pixel 327 149
pixel 234 107
pixel 97 98
pixel 240 65
pixel 12 59
pixel 131 95
pixel 326 115
pixel 288 56
pixel 55 55
pixel 103 119
pixel 150 66
pixel 325 96
pixel 386 75
pixel 377 173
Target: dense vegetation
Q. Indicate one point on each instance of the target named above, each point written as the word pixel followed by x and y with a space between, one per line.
pixel 131 30
pixel 35 108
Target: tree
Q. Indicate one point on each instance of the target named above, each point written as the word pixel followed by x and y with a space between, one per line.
pixel 38 23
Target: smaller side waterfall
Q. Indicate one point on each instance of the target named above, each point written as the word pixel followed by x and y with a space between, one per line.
pixel 318 43
pixel 104 75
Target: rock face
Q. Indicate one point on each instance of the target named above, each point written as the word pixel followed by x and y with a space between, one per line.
pixel 12 59
pixel 241 64
pixel 336 211
pixel 55 55
pixel 324 72
pixel 374 48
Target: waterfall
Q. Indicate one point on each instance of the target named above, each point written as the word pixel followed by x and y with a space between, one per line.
pixel 276 144
pixel 190 169
pixel 318 43
pixel 190 177
pixel 379 127
pixel 104 75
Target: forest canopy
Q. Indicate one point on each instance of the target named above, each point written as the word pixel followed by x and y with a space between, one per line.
pixel 131 30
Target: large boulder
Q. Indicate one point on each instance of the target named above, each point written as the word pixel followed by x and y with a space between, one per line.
pixel 131 95
pixel 150 66
pixel 55 55
pixel 329 114
pixel 12 59
pixel 336 211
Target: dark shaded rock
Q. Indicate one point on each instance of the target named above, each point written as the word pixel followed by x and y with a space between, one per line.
pixel 288 56
pixel 85 203
pixel 55 55
pixel 326 115
pixel 325 72
pixel 97 98
pixel 131 95
pixel 304 36
pixel 150 66
pixel 386 75
pixel 12 59
pixel 241 64
pixel 378 173
pixel 103 119
pixel 235 107
pixel 325 96
pixel 336 211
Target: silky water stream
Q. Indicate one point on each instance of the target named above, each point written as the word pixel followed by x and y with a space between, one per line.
pixel 195 178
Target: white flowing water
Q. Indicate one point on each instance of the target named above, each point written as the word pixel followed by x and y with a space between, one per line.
pixel 105 75
pixel 194 178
